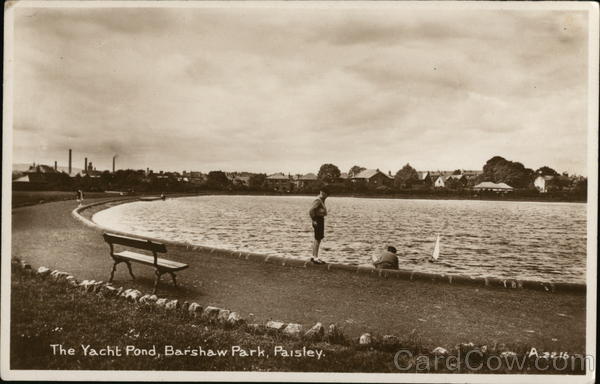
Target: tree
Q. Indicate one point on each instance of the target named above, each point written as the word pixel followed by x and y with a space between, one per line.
pixel 355 171
pixel 257 181
pixel 217 179
pixel 499 170
pixel 580 186
pixel 328 173
pixel 546 171
pixel 457 172
pixel 452 183
pixel 406 177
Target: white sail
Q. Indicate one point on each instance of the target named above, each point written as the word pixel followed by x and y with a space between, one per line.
pixel 436 249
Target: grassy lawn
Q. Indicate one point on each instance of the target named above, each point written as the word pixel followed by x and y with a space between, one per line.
pixel 24 198
pixel 46 313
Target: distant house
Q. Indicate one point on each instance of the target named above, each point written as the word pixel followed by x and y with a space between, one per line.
pixel 495 187
pixel 373 177
pixel 38 177
pixel 279 182
pixel 425 178
pixel 439 182
pixel 438 178
pixel 161 175
pixel 442 180
pixel 305 181
pixel 193 177
pixel 42 174
pixel 542 183
pixel 21 179
pixel 548 183
pixel 469 174
pixel 455 181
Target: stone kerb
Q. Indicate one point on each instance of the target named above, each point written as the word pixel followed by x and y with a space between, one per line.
pixel 491 282
pixel 225 318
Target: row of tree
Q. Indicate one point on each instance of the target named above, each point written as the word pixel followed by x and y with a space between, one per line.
pixel 496 169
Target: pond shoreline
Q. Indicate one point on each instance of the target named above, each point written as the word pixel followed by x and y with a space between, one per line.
pixel 26 198
pixel 86 213
pixel 272 227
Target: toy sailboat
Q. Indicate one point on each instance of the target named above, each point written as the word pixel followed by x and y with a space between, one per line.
pixel 436 249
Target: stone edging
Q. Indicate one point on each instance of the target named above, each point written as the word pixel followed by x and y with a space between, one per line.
pixel 210 314
pixel 213 315
pixel 229 319
pixel 363 270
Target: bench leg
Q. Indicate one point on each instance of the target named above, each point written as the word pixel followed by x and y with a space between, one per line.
pixel 156 278
pixel 112 273
pixel 130 271
pixel 173 277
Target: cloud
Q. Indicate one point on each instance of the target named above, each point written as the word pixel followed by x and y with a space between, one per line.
pixel 289 89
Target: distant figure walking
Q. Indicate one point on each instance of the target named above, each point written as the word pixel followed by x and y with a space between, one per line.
pixel 163 197
pixel 386 259
pixel 79 197
pixel 317 213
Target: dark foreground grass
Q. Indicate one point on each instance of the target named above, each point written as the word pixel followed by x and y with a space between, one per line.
pixel 46 313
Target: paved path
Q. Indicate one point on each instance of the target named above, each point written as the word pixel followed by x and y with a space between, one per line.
pixel 439 314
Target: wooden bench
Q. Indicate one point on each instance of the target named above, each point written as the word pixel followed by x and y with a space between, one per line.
pixel 161 266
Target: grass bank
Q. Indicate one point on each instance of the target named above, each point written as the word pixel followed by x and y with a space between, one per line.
pixel 51 314
pixel 25 198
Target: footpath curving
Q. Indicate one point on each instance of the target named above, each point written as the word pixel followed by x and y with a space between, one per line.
pixel 358 269
pixel 263 289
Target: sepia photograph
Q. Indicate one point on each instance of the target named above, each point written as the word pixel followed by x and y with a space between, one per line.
pixel 348 191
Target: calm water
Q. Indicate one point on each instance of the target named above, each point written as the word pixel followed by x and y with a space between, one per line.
pixel 543 241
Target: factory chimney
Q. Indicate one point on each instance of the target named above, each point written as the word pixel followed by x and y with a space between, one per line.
pixel 69 161
pixel 114 157
pixel 85 166
pixel 55 166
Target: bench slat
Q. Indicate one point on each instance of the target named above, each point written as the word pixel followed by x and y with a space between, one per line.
pixel 135 243
pixel 149 260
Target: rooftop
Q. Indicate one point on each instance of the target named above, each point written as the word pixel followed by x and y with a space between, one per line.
pixel 308 176
pixel 491 185
pixel 278 176
pixel 368 173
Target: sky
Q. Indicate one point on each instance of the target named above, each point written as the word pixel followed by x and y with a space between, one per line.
pixel 283 89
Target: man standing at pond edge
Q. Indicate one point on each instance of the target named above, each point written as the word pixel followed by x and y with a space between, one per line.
pixel 317 213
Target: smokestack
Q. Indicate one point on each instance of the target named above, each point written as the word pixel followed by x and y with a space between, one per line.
pixel 55 166
pixel 69 161
pixel 85 166
pixel 114 157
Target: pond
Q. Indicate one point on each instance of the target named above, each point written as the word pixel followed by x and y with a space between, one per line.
pixel 526 240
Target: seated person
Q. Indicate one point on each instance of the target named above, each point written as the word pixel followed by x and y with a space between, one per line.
pixel 386 259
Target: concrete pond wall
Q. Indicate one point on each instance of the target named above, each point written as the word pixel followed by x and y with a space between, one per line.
pixel 357 269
